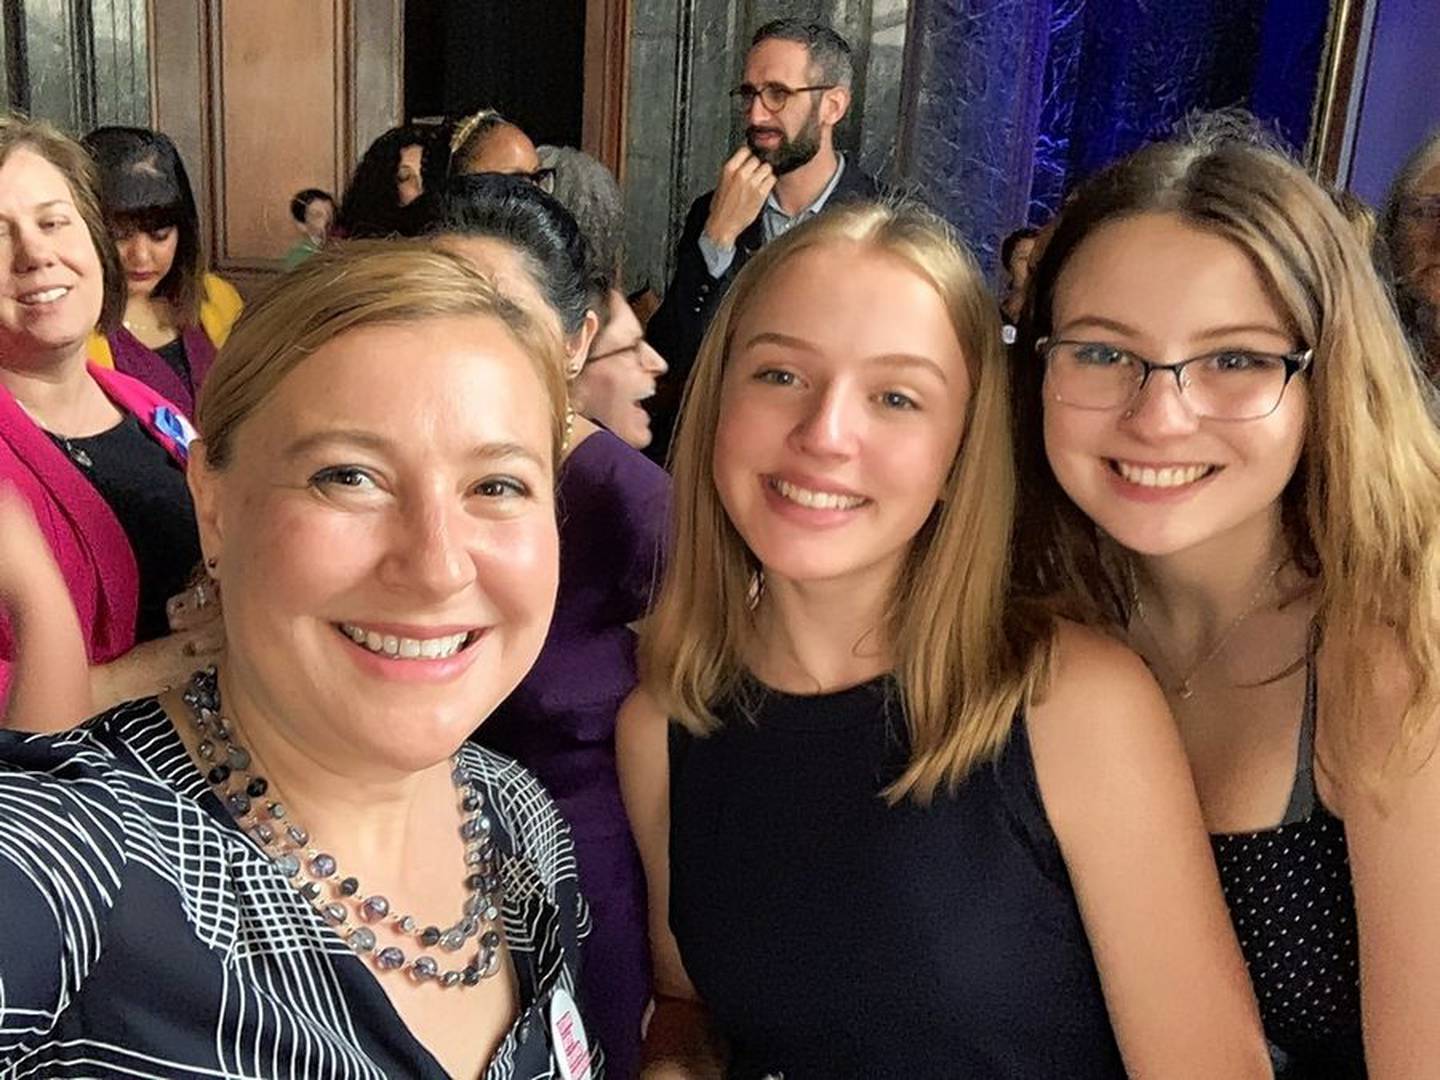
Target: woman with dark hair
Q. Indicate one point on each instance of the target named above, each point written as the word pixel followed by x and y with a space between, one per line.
pixel 612 503
pixel 394 172
pixel 485 142
pixel 176 314
pixel 98 456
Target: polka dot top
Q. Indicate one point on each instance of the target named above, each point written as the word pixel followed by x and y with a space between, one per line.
pixel 1293 906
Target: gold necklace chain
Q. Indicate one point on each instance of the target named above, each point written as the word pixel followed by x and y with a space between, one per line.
pixel 156 324
pixel 1183 688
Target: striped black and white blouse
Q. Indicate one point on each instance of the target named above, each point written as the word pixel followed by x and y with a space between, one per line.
pixel 143 935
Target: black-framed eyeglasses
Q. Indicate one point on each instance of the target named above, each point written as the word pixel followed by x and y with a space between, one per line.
pixel 1228 384
pixel 772 95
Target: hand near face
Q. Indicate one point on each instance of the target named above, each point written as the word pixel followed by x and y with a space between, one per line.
pixel 745 184
pixel 195 608
pixel 156 666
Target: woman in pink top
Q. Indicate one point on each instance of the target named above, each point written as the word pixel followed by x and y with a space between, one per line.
pixel 97 455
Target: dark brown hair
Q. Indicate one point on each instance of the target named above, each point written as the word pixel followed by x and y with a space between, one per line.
pixel 144 187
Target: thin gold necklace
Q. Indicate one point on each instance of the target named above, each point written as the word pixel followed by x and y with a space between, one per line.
pixel 155 325
pixel 1184 688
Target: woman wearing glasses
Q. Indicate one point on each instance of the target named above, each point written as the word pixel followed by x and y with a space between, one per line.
pixel 1228 458
pixel 485 142
pixel 611 502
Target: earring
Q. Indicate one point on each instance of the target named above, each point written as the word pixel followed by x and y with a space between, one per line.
pixel 569 428
pixel 211 565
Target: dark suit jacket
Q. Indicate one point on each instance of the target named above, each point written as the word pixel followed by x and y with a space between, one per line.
pixel 678 326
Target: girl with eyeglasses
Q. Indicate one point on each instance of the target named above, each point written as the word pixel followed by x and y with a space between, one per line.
pixel 1229 459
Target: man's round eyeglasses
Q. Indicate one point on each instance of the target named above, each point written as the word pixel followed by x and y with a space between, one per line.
pixel 772 95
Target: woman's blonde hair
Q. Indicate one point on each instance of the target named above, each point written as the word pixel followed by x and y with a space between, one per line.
pixel 362 283
pixel 1362 512
pixel 74 164
pixel 965 660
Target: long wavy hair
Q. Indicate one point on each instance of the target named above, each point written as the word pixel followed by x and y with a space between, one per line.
pixel 370 207
pixel 966 658
pixel 1362 512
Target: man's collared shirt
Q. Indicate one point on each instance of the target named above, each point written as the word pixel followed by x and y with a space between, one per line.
pixel 773 220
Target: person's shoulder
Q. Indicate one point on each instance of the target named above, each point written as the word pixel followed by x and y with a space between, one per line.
pixel 699 211
pixel 856 183
pixel 1097 689
pixel 130 393
pixel 524 809
pixel 102 758
pixel 75 793
pixel 605 459
pixel 1087 659
pixel 221 293
pixel 1399 737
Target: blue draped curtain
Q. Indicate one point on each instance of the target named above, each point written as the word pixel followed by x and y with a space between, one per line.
pixel 1009 103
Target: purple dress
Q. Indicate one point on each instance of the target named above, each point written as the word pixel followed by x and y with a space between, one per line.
pixel 139 361
pixel 560 721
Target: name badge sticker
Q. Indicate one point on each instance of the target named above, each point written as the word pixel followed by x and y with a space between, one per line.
pixel 567 1037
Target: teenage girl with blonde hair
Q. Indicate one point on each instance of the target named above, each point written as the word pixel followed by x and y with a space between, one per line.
pixel 892 823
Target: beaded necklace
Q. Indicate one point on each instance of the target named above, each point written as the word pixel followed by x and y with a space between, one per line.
pixel 316 875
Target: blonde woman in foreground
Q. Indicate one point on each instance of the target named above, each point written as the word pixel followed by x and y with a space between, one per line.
pixel 1230 461
pixel 894 825
pixel 294 866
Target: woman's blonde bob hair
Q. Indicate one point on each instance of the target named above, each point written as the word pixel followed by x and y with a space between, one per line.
pixel 359 284
pixel 1362 511
pixel 965 661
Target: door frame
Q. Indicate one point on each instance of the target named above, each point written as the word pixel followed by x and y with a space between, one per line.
pixel 606 102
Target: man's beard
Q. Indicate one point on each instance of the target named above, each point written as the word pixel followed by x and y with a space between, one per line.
pixel 788 154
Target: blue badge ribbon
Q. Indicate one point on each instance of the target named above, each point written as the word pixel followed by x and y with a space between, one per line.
pixel 176 428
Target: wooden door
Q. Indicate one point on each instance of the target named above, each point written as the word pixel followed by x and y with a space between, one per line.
pixel 264 98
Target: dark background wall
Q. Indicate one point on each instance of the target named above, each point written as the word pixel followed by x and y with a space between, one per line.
pixel 522 57
pixel 1400 102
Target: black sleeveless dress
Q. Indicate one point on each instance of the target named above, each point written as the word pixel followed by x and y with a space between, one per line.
pixel 833 936
pixel 1293 905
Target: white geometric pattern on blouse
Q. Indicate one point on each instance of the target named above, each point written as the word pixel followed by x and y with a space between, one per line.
pixel 283 1012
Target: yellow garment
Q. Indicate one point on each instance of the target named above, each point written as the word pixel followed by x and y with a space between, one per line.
pixel 218 311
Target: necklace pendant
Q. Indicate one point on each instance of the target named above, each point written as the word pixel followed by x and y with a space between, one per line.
pixel 1185 691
